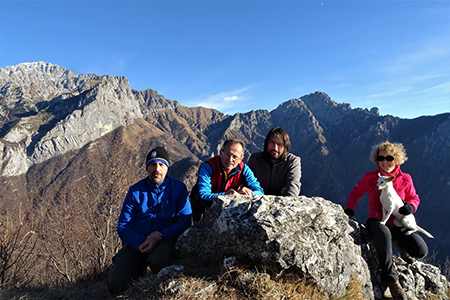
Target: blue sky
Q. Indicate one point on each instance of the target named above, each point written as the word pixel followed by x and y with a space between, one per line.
pixel 238 56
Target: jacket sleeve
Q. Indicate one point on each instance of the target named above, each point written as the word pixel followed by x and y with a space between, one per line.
pixel 252 182
pixel 183 215
pixel 358 191
pixel 411 196
pixel 204 183
pixel 293 178
pixel 125 227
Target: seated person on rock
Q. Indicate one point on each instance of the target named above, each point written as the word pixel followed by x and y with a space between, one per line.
pixel 388 157
pixel 156 210
pixel 277 170
pixel 224 174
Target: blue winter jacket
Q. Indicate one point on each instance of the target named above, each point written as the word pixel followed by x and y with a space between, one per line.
pixel 148 207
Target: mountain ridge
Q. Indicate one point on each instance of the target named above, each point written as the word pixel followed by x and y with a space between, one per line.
pixel 53 119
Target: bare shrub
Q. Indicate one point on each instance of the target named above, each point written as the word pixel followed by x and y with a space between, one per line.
pixel 62 242
pixel 101 202
pixel 78 234
pixel 17 247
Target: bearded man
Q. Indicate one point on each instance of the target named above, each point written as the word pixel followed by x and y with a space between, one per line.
pixel 156 210
pixel 277 170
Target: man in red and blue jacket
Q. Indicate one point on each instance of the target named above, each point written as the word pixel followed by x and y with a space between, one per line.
pixel 224 174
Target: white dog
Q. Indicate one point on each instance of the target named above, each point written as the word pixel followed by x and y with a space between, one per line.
pixel 391 202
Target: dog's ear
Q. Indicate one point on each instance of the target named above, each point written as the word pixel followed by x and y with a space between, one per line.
pixel 379 174
pixel 391 178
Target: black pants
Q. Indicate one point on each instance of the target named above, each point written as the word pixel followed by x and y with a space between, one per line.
pixel 129 264
pixel 382 236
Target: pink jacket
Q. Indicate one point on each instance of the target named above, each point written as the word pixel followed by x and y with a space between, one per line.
pixel 403 184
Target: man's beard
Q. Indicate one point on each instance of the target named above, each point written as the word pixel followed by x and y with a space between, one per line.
pixel 156 180
pixel 275 154
pixel 270 154
pixel 270 159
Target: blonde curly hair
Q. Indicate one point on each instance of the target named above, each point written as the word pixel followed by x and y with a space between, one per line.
pixel 395 149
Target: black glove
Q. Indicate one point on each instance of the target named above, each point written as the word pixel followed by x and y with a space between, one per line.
pixel 349 212
pixel 406 209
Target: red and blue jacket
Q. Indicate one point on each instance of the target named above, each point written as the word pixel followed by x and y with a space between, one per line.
pixel 213 181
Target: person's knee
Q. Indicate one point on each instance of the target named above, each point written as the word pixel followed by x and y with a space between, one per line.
pixel 420 251
pixel 160 262
pixel 161 256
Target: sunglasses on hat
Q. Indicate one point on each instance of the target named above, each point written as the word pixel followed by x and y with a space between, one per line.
pixel 388 158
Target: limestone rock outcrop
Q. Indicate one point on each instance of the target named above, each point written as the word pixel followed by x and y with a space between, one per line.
pixel 309 236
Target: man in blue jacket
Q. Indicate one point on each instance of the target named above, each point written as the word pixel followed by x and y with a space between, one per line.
pixel 156 210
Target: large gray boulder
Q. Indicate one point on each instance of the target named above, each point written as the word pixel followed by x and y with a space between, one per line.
pixel 309 236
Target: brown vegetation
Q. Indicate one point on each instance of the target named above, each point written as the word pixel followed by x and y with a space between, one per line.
pixel 61 246
pixel 62 250
pixel 58 242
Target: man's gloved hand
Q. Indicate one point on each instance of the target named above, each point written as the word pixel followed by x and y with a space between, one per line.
pixel 406 209
pixel 349 212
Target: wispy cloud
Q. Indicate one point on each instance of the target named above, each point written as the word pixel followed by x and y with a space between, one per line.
pixel 409 77
pixel 226 101
pixel 420 55
pixel 231 98
pixel 444 87
pixel 388 93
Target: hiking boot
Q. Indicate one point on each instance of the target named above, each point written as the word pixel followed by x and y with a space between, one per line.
pixel 403 254
pixel 406 257
pixel 397 291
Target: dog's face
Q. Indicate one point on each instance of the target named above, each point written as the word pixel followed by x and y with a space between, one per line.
pixel 383 181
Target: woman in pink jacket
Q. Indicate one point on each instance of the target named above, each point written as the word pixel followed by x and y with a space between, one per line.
pixel 388 157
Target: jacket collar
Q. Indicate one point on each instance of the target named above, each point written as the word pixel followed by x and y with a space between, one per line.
pixel 160 186
pixel 396 172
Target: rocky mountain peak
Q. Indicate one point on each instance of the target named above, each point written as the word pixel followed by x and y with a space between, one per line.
pixel 48 114
pixel 35 71
pixel 48 110
pixel 329 112
pixel 25 86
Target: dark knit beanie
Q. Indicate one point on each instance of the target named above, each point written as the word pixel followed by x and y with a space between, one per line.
pixel 158 154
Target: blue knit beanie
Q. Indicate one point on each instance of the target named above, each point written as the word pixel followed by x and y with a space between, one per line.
pixel 158 154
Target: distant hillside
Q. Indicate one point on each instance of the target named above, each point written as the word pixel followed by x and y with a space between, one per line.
pixel 62 132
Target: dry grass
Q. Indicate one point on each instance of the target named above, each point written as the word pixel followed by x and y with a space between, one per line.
pixel 232 284
pixel 354 291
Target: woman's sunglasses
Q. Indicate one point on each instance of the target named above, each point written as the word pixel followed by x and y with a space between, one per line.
pixel 388 158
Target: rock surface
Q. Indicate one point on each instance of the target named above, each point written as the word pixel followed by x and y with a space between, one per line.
pixel 309 236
